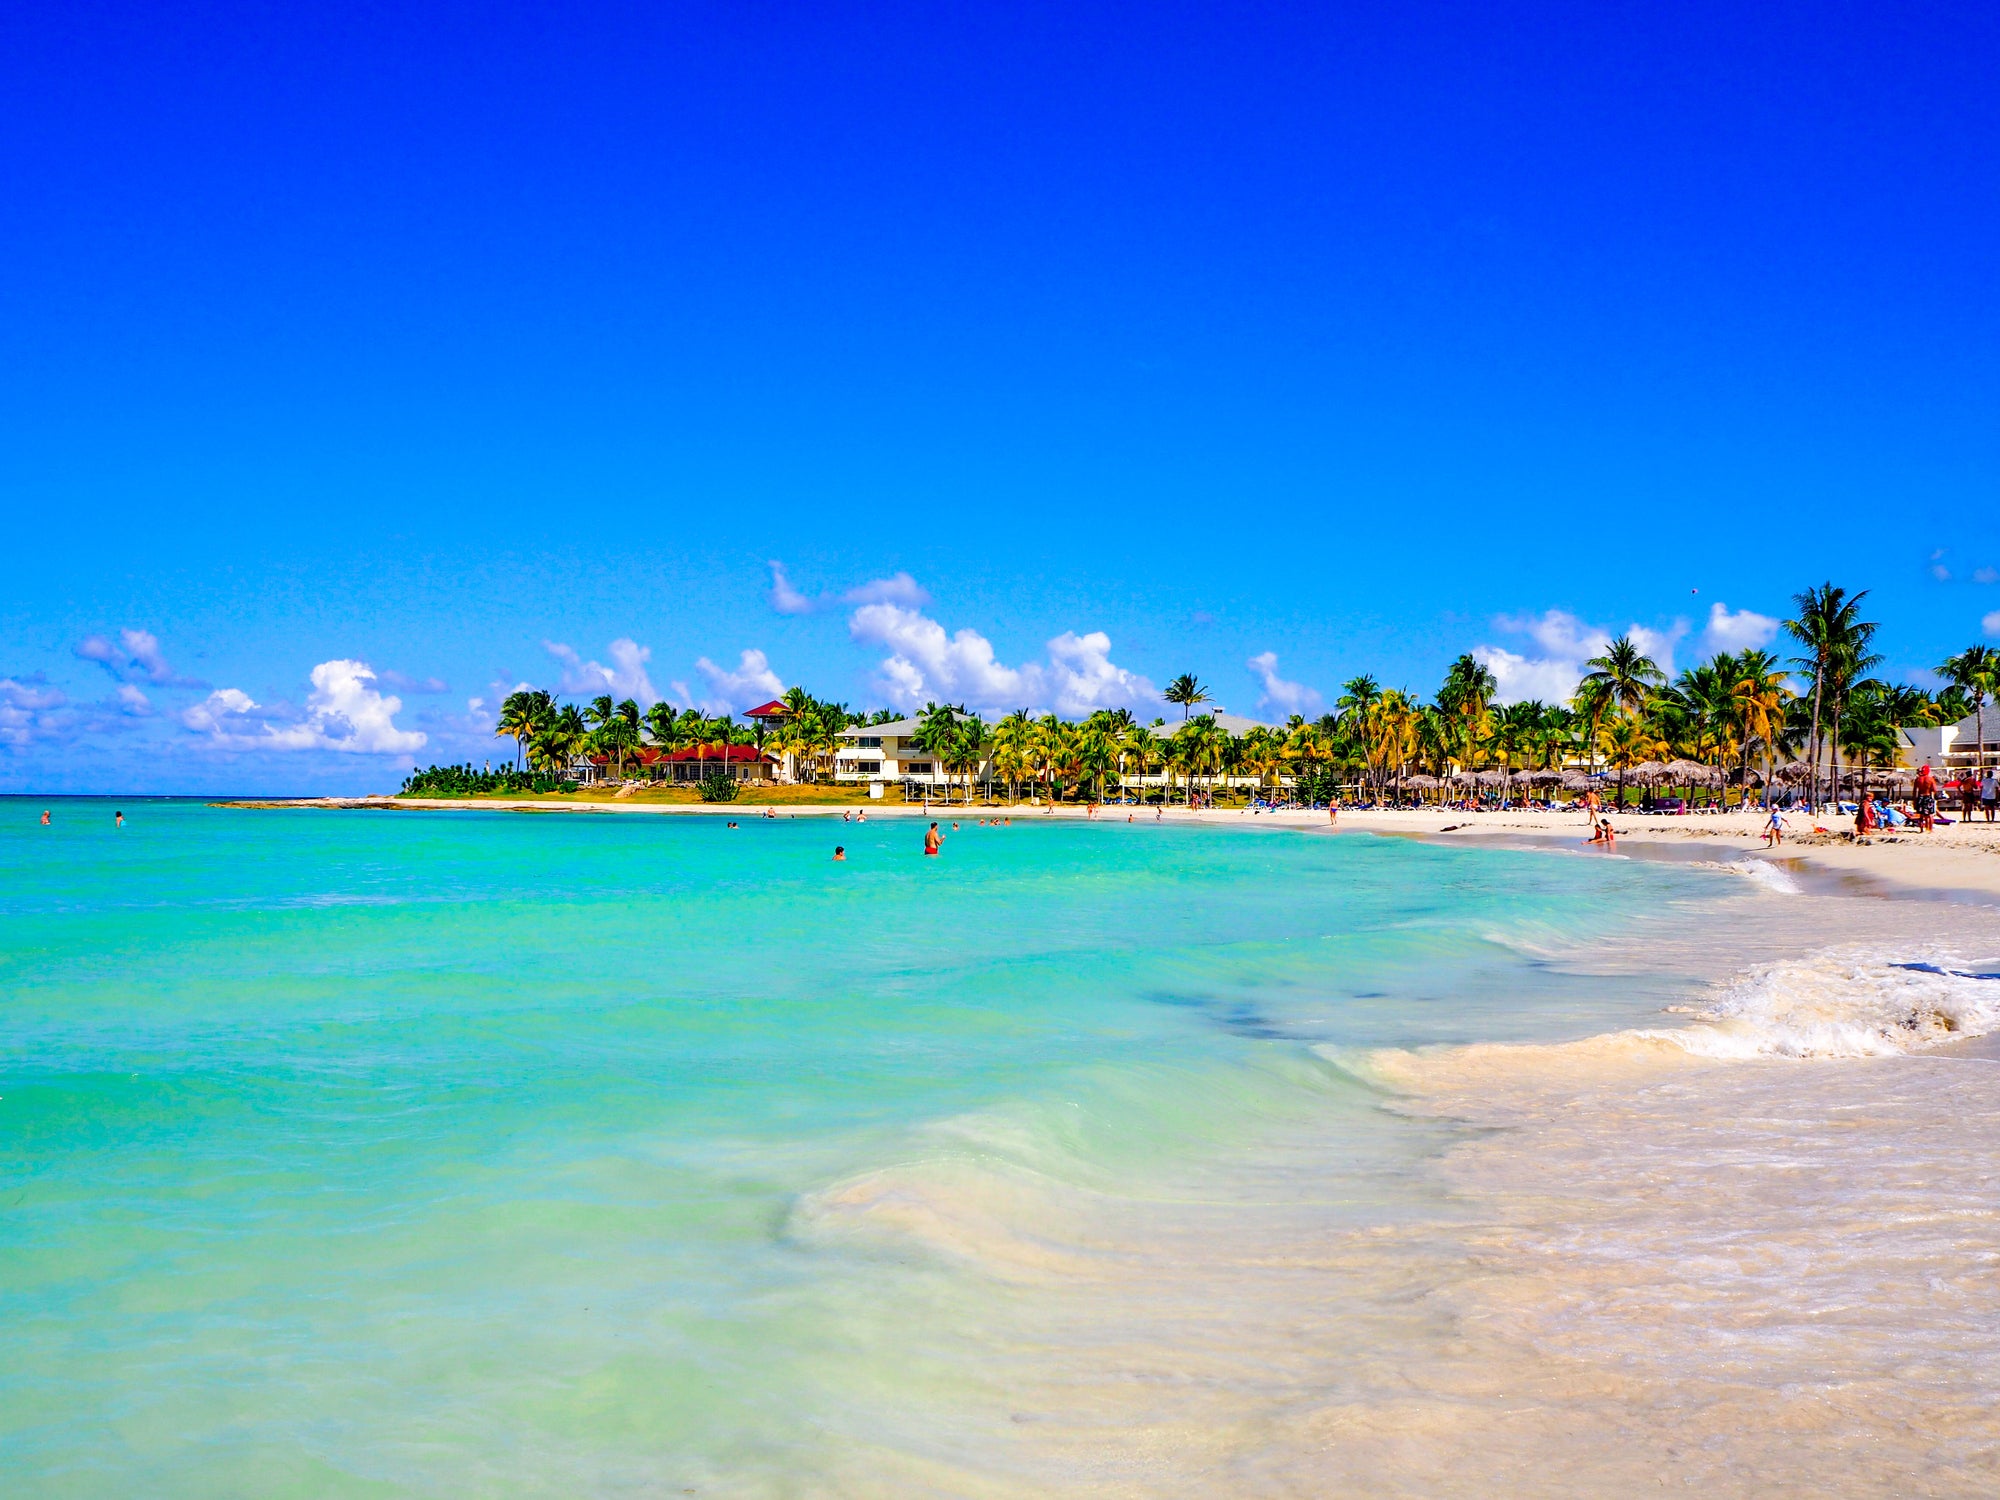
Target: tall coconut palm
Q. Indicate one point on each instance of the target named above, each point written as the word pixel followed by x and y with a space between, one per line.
pixel 615 737
pixel 1624 673
pixel 1187 692
pixel 1138 753
pixel 1757 700
pixel 524 712
pixel 1013 750
pixel 937 730
pixel 1628 741
pixel 1833 637
pixel 1975 672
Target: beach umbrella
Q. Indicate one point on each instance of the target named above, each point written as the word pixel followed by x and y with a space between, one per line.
pixel 1646 770
pixel 1687 770
pixel 1421 783
pixel 1492 778
pixel 1576 781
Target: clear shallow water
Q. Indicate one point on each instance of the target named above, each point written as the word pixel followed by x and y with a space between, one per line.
pixel 400 1153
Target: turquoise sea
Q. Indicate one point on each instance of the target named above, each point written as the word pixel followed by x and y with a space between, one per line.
pixel 489 1153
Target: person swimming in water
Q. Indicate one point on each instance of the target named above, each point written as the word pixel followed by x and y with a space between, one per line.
pixel 840 851
pixel 933 840
pixel 120 817
pixel 45 817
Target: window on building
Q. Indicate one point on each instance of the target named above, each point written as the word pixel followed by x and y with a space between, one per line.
pixel 870 742
pixel 917 768
pixel 868 767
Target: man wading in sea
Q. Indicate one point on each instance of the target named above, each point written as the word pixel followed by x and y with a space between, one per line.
pixel 933 840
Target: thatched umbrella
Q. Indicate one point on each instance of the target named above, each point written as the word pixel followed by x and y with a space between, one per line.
pixel 1576 781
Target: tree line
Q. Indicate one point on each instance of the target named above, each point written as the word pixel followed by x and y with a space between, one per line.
pixel 1821 704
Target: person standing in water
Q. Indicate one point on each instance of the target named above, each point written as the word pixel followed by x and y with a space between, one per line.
pixel 840 852
pixel 933 840
pixel 45 817
pixel 120 817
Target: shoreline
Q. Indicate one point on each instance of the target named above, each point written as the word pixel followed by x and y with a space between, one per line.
pixel 1955 860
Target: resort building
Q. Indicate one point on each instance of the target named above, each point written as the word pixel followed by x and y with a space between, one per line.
pixel 743 762
pixel 1955 747
pixel 1233 724
pixel 886 753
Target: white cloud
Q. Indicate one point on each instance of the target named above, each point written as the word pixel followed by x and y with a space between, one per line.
pixel 624 678
pixel 752 683
pixel 1083 678
pixel 136 654
pixel 28 711
pixel 785 599
pixel 1991 624
pixel 212 714
pixel 897 588
pixel 1558 632
pixel 928 663
pixel 1279 695
pixel 1742 631
pixel 924 662
pixel 1568 643
pixel 1986 575
pixel 1659 644
pixel 131 701
pixel 343 712
pixel 1551 679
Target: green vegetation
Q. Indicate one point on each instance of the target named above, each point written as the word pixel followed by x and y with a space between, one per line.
pixel 1711 725
pixel 465 781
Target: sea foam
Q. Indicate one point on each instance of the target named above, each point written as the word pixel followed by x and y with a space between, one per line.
pixel 1866 1002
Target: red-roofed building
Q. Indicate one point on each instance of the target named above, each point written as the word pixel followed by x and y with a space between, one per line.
pixel 744 762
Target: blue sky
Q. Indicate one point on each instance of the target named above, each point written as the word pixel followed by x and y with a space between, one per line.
pixel 1052 351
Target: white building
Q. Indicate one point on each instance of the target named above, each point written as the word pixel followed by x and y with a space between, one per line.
pixel 1954 747
pixel 889 753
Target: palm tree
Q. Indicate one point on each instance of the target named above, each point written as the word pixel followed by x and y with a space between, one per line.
pixel 615 736
pixel 1096 757
pixel 937 731
pixel 1868 732
pixel 1975 672
pixel 969 749
pixel 1628 741
pixel 1187 692
pixel 1757 700
pixel 525 711
pixel 1831 631
pixel 1138 752
pixel 1624 673
pixel 1014 750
